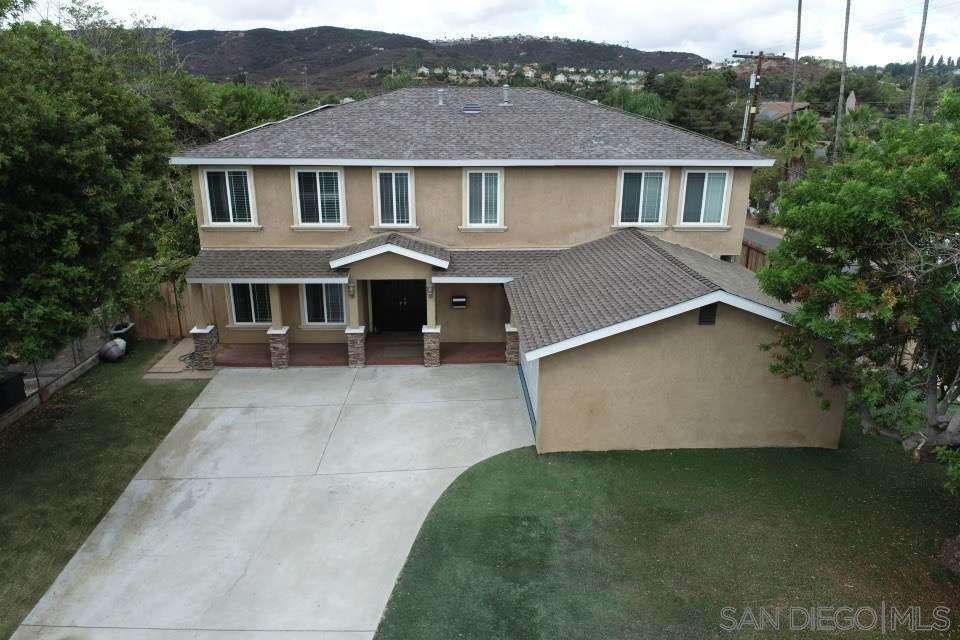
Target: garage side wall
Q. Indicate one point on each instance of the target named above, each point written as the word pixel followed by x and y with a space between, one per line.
pixel 677 384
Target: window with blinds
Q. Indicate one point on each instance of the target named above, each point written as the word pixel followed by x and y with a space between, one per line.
pixel 228 197
pixel 393 197
pixel 323 304
pixel 251 303
pixel 318 197
pixel 704 197
pixel 484 204
pixel 642 197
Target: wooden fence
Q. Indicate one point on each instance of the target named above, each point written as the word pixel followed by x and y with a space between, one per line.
pixel 170 317
pixel 753 256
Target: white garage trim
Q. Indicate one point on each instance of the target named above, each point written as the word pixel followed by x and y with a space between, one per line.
pixel 656 316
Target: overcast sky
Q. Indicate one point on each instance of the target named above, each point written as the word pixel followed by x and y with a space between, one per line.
pixel 881 30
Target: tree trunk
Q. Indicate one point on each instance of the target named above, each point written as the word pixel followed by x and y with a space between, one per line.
pixel 796 169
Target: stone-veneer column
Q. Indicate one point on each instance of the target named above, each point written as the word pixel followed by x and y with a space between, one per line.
pixel 279 347
pixel 431 345
pixel 356 346
pixel 512 352
pixel 205 342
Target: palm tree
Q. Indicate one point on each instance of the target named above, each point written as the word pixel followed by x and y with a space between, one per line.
pixel 803 134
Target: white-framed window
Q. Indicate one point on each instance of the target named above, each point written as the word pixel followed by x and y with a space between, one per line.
pixel 394 197
pixel 641 196
pixel 250 303
pixel 483 197
pixel 229 195
pixel 323 303
pixel 704 197
pixel 318 196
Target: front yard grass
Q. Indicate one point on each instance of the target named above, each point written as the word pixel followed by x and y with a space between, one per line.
pixel 70 464
pixel 653 544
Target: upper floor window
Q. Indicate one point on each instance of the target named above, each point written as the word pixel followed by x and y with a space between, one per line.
pixel 641 197
pixel 323 304
pixel 319 196
pixel 251 303
pixel 229 196
pixel 395 206
pixel 705 197
pixel 484 197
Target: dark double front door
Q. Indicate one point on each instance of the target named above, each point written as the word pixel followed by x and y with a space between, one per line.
pixel 399 305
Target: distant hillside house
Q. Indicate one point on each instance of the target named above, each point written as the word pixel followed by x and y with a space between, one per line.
pixel 779 109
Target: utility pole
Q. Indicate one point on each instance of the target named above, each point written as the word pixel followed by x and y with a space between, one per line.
pixel 916 67
pixel 754 107
pixel 796 60
pixel 843 80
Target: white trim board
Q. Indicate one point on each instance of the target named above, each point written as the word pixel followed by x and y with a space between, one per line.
pixel 656 316
pixel 471 279
pixel 492 162
pixel 388 248
pixel 242 280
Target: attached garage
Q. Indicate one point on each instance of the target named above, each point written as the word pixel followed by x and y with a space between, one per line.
pixel 679 384
pixel 630 343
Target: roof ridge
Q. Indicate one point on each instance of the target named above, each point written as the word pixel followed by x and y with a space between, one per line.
pixel 654 244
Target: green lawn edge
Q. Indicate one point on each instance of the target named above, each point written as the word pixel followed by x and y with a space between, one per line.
pixel 69 464
pixel 653 544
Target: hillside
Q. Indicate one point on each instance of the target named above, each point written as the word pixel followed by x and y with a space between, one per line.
pixel 337 59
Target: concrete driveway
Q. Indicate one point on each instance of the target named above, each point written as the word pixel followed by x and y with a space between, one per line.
pixel 283 504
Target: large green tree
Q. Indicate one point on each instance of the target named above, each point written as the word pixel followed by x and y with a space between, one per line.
pixel 82 168
pixel 871 256
pixel 703 104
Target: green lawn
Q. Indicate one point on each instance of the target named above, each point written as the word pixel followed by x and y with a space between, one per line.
pixel 63 473
pixel 654 544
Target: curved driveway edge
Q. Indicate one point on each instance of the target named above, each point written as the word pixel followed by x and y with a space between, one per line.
pixel 282 504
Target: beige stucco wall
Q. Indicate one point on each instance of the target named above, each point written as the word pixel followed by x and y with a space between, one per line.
pixel 676 384
pixel 543 207
pixel 483 319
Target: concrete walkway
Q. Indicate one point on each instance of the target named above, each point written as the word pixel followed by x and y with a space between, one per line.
pixel 282 505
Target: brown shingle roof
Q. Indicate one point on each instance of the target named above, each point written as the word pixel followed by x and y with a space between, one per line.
pixel 398 239
pixel 505 263
pixel 620 277
pixel 262 263
pixel 408 124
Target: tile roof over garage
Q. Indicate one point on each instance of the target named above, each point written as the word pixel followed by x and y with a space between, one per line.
pixel 615 279
pixel 410 125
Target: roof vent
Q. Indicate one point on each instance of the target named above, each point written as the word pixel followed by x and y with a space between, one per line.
pixel 708 314
pixel 506 96
pixel 471 107
pixel 439 97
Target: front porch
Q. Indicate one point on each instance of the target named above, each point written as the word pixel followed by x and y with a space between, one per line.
pixel 388 300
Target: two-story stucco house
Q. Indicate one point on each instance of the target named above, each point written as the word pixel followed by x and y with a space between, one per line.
pixel 588 245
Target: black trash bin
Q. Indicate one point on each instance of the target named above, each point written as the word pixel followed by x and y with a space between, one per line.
pixel 125 330
pixel 11 389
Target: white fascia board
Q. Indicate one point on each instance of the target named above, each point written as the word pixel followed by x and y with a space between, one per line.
pixel 492 162
pixel 388 248
pixel 470 279
pixel 243 280
pixel 656 316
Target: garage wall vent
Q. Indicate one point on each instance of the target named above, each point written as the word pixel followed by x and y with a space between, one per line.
pixel 708 314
